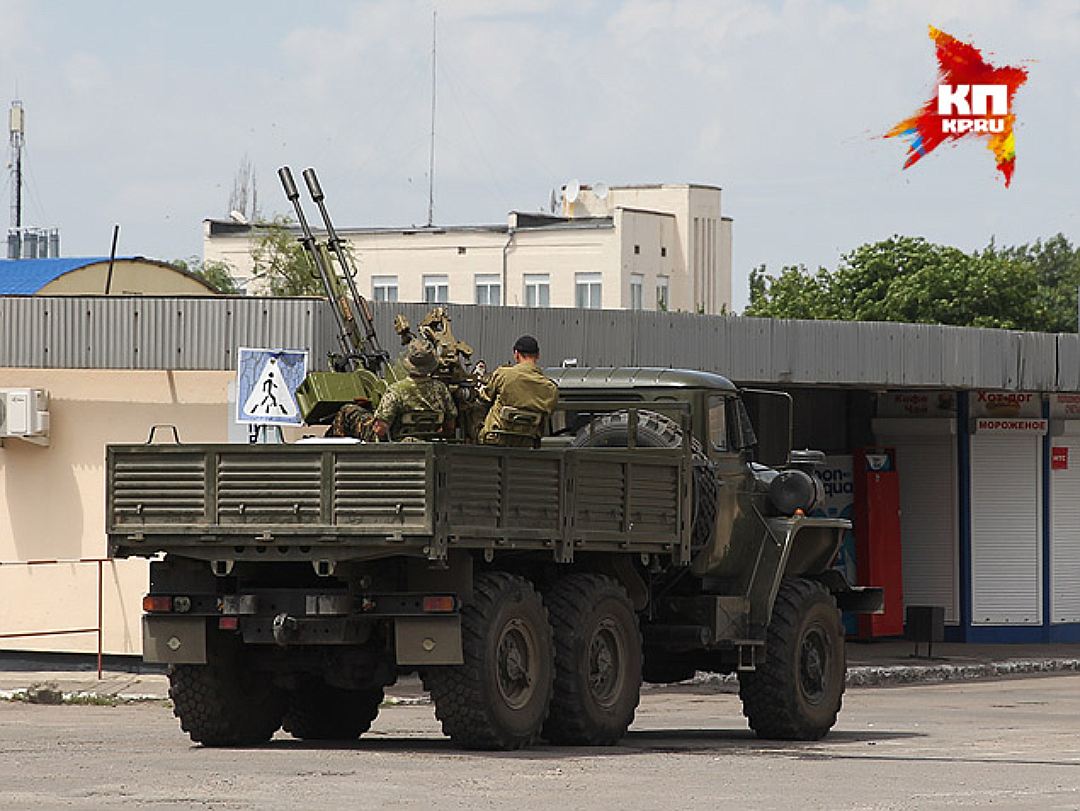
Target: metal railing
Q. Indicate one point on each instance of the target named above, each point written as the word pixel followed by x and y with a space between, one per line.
pixel 100 563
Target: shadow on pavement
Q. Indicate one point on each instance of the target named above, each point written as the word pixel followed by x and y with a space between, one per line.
pixel 635 743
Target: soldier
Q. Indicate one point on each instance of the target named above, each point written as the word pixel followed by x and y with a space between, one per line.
pixel 521 398
pixel 419 405
pixel 354 420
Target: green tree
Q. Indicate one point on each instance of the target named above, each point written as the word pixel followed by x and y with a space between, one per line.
pixel 1057 267
pixel 279 261
pixel 216 274
pixel 910 279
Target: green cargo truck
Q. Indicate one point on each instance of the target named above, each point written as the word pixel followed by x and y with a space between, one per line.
pixel 533 590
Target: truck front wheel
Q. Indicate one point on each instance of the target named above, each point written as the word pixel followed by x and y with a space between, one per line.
pixel 320 712
pixel 499 697
pixel 795 694
pixel 597 661
pixel 223 703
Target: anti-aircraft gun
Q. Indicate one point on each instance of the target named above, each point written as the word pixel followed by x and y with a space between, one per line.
pixel 359 371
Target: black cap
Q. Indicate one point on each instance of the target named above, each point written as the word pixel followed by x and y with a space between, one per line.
pixel 527 345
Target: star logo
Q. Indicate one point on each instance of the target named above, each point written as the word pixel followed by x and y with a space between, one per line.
pixel 974 99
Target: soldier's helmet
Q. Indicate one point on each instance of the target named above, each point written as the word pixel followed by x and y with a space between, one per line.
pixel 419 359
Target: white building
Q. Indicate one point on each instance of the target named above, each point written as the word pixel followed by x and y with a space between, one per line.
pixel 652 247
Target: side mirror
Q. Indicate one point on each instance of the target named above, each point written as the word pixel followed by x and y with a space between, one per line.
pixel 770 414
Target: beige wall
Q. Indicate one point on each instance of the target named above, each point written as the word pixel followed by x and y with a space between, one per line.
pixel 130 277
pixel 52 499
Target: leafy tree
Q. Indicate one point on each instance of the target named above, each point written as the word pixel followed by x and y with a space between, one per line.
pixel 217 274
pixel 279 261
pixel 1030 287
pixel 1057 268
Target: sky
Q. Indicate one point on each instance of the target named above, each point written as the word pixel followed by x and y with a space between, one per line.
pixel 141 114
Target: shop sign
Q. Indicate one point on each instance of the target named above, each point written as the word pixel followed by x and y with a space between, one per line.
pixel 1005 404
pixel 1059 458
pixel 917 404
pixel 1065 406
pixel 995 425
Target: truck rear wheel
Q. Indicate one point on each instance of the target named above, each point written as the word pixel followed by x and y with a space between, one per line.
pixel 222 703
pixel 597 661
pixel 657 431
pixel 499 698
pixel 321 712
pixel 796 693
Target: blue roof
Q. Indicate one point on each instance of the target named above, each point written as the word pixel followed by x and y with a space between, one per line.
pixel 28 276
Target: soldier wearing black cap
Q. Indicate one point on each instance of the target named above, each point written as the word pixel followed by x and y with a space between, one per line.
pixel 521 398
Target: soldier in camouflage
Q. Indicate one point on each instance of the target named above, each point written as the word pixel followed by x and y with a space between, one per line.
pixel 355 420
pixel 418 406
pixel 522 397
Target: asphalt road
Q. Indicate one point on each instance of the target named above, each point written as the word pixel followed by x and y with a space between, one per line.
pixel 1010 744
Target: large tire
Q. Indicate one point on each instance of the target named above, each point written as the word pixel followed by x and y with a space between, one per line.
pixel 320 712
pixel 223 703
pixel 499 698
pixel 657 431
pixel 796 693
pixel 597 661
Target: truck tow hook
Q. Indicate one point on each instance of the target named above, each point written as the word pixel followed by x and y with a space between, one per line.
pixel 285 628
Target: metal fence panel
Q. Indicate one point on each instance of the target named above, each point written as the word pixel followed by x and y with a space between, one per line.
pixel 149 332
pixel 1068 362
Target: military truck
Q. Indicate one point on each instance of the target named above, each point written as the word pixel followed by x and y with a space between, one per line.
pixel 532 589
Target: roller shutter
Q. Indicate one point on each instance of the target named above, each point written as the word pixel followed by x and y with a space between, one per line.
pixel 1006 529
pixel 1065 532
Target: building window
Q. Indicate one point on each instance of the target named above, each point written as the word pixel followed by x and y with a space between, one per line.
pixel 588 288
pixel 663 251
pixel 488 288
pixel 384 288
pixel 637 249
pixel 637 284
pixel 537 290
pixel 436 290
pixel 461 250
pixel 662 293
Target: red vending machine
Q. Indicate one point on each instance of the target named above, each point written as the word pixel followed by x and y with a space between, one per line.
pixel 877 537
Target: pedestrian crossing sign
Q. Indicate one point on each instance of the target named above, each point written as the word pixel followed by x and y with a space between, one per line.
pixel 266 384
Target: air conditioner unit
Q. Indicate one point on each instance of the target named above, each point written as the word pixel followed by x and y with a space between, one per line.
pixel 24 413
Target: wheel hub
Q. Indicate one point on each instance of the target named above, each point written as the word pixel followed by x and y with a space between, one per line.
pixel 605 663
pixel 814 665
pixel 515 659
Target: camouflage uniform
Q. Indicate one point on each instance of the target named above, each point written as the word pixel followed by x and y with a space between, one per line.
pixel 353 420
pixel 415 393
pixel 522 387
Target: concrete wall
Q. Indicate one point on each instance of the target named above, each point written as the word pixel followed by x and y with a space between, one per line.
pixel 52 503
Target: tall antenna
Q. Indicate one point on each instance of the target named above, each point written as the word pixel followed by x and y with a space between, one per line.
pixel 17 130
pixel 431 159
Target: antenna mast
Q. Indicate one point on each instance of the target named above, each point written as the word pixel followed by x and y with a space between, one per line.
pixel 431 158
pixel 16 130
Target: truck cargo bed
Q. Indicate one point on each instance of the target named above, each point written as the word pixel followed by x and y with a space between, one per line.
pixel 312 501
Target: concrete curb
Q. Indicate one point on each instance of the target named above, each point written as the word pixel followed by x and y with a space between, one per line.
pixel 898 675
pixel 865 676
pixel 887 676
